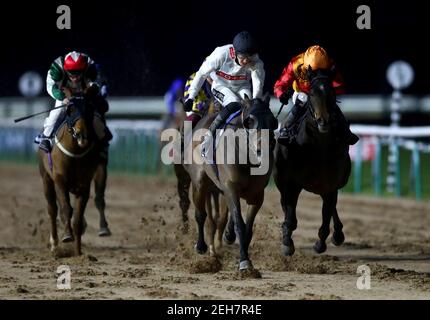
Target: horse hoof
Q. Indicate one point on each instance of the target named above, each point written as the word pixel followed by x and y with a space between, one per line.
pixel 245 265
pixel 338 238
pixel 104 232
pixel 67 238
pixel 288 250
pixel 201 249
pixel 229 239
pixel 320 246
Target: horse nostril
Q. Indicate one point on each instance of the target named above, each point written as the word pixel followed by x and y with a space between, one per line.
pixel 321 122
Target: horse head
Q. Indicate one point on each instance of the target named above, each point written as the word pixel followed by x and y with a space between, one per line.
pixel 78 118
pixel 256 118
pixel 322 97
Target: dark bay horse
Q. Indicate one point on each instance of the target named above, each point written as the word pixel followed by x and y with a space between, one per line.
pixel 319 162
pixel 235 179
pixel 69 169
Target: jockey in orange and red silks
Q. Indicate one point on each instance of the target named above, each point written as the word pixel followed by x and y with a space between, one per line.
pixel 293 84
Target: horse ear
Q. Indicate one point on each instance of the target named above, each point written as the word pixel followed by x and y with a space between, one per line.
pixel 266 98
pixel 333 71
pixel 246 101
pixel 309 72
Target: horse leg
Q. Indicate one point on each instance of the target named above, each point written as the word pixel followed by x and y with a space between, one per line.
pixel 329 204
pixel 229 233
pixel 240 227
pixel 183 186
pixel 51 198
pixel 222 219
pixel 253 206
pixel 100 178
pixel 289 198
pixel 211 227
pixel 338 237
pixel 199 198
pixel 78 219
pixel 66 210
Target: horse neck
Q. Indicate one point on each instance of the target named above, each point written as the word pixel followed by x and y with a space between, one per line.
pixel 244 169
pixel 319 140
pixel 66 139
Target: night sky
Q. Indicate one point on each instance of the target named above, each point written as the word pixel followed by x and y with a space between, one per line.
pixel 142 46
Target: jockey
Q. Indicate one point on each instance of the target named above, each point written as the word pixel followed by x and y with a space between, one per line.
pixel 102 81
pixel 73 74
pixel 236 70
pixel 172 96
pixel 201 102
pixel 293 84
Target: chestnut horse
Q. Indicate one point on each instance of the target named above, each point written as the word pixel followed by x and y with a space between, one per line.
pixel 70 168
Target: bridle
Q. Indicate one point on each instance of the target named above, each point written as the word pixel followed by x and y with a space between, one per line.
pixel 70 122
pixel 308 104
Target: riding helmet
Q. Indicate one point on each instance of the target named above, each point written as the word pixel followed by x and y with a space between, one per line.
pixel 75 61
pixel 245 43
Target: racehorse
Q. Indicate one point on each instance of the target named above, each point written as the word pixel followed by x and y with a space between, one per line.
pixel 183 177
pixel 69 168
pixel 318 162
pixel 234 179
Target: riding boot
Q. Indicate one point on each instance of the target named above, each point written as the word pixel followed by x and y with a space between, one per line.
pixel 221 117
pixel 44 143
pixel 350 137
pixel 286 134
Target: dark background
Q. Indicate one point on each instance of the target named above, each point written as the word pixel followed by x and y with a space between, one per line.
pixel 143 45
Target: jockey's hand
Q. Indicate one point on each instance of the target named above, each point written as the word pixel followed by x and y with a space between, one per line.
pixel 188 105
pixel 66 101
pixel 67 92
pixel 286 96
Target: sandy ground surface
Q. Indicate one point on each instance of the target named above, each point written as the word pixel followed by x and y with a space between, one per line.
pixel 148 257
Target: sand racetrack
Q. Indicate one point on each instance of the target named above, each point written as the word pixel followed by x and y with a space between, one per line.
pixel 148 257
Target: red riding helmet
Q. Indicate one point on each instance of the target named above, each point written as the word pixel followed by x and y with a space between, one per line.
pixel 75 62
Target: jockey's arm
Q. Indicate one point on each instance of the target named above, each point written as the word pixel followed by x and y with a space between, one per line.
pixel 285 81
pixel 257 76
pixel 212 63
pixel 53 82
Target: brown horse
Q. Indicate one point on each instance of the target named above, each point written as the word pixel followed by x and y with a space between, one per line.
pixel 319 162
pixel 183 177
pixel 69 169
pixel 234 179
